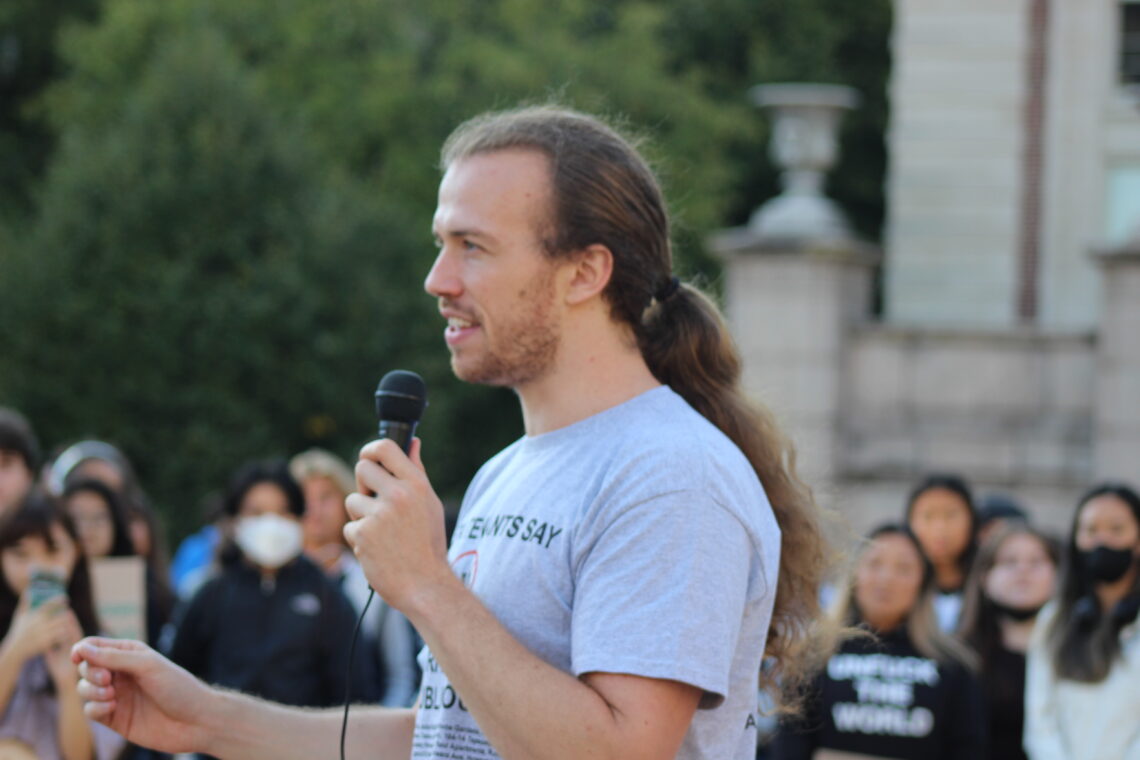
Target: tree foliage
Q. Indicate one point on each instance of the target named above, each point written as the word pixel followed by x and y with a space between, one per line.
pixel 227 246
pixel 28 63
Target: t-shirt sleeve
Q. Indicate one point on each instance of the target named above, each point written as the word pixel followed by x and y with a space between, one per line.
pixel 660 591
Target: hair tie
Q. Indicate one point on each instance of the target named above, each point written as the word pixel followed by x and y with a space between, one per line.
pixel 667 290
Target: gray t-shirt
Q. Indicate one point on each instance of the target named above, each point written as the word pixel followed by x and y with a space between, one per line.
pixel 636 541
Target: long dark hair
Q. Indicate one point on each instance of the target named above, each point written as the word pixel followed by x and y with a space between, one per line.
pixel 35 516
pixel 980 622
pixel 121 545
pixel 957 485
pixel 160 599
pixel 1084 640
pixel 605 194
pixel 250 474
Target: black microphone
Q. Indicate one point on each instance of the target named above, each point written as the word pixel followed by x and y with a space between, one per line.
pixel 400 400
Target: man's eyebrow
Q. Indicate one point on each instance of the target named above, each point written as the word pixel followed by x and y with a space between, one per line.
pixel 464 233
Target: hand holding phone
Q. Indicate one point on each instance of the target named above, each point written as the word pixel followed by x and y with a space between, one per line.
pixel 32 627
pixel 44 585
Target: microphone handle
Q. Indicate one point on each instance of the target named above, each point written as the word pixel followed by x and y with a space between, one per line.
pixel 400 432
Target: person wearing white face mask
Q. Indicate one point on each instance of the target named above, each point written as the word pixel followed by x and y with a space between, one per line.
pixel 269 623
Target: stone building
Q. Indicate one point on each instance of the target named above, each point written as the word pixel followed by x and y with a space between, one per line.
pixel 1008 348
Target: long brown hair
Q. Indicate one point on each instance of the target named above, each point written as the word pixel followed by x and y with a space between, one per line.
pixel 979 625
pixel 605 193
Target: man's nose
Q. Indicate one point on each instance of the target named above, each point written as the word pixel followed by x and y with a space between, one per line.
pixel 442 279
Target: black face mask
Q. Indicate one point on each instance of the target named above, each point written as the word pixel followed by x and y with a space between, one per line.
pixel 1019 615
pixel 1106 564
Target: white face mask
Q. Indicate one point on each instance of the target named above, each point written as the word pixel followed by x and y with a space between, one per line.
pixel 269 540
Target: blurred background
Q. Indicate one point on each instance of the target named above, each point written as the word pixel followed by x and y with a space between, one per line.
pixel 214 223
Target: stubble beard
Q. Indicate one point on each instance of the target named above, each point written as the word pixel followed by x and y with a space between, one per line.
pixel 527 341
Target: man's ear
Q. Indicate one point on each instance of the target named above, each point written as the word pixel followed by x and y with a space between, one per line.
pixel 590 273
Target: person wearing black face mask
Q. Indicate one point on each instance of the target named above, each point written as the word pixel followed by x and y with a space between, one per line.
pixel 1083 674
pixel 1014 575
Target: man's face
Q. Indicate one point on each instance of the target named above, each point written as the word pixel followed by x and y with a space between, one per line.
pixel 496 287
pixel 15 479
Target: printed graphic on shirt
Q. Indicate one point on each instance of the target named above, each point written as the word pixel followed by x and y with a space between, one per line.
pixel 509 526
pixel 465 566
pixel 884 692
pixel 451 733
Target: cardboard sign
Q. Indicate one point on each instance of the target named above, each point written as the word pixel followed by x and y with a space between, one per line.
pixel 119 587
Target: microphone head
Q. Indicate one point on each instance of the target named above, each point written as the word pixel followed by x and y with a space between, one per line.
pixel 401 397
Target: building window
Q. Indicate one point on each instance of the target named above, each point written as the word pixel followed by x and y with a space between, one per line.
pixel 1130 42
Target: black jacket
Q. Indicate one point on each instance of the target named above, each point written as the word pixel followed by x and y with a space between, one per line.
pixel 286 641
pixel 882 698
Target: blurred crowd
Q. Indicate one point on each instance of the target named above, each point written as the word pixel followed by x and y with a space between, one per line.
pixel 963 630
pixel 967 632
pixel 264 599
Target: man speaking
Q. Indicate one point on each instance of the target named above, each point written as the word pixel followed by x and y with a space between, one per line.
pixel 614 574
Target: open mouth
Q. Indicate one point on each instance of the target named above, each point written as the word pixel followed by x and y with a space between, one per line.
pixel 459 328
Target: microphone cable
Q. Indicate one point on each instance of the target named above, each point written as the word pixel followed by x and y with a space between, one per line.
pixel 348 675
pixel 401 398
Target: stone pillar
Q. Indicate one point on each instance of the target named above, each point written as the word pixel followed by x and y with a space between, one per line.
pixel 1117 441
pixel 791 309
pixel 797 279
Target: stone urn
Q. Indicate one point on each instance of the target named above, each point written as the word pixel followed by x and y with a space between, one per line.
pixel 805 145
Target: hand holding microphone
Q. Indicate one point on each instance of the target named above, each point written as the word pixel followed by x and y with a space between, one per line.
pixel 396 528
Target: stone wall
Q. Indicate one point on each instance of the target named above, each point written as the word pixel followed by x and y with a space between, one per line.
pixel 955 141
pixel 873 406
pixel 1011 410
pixel 1014 407
pixel 1118 367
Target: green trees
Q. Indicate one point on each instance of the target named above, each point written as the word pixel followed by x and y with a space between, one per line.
pixel 227 247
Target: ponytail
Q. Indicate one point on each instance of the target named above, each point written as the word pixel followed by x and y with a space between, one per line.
pixel 687 346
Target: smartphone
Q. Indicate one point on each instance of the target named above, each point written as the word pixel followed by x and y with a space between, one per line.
pixel 44 585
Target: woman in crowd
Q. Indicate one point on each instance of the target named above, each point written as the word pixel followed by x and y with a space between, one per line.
pixel 903 690
pixel 269 623
pixel 97 460
pixel 1014 576
pixel 940 512
pixel 1082 695
pixel 98 516
pixel 45 607
pixel 104 531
